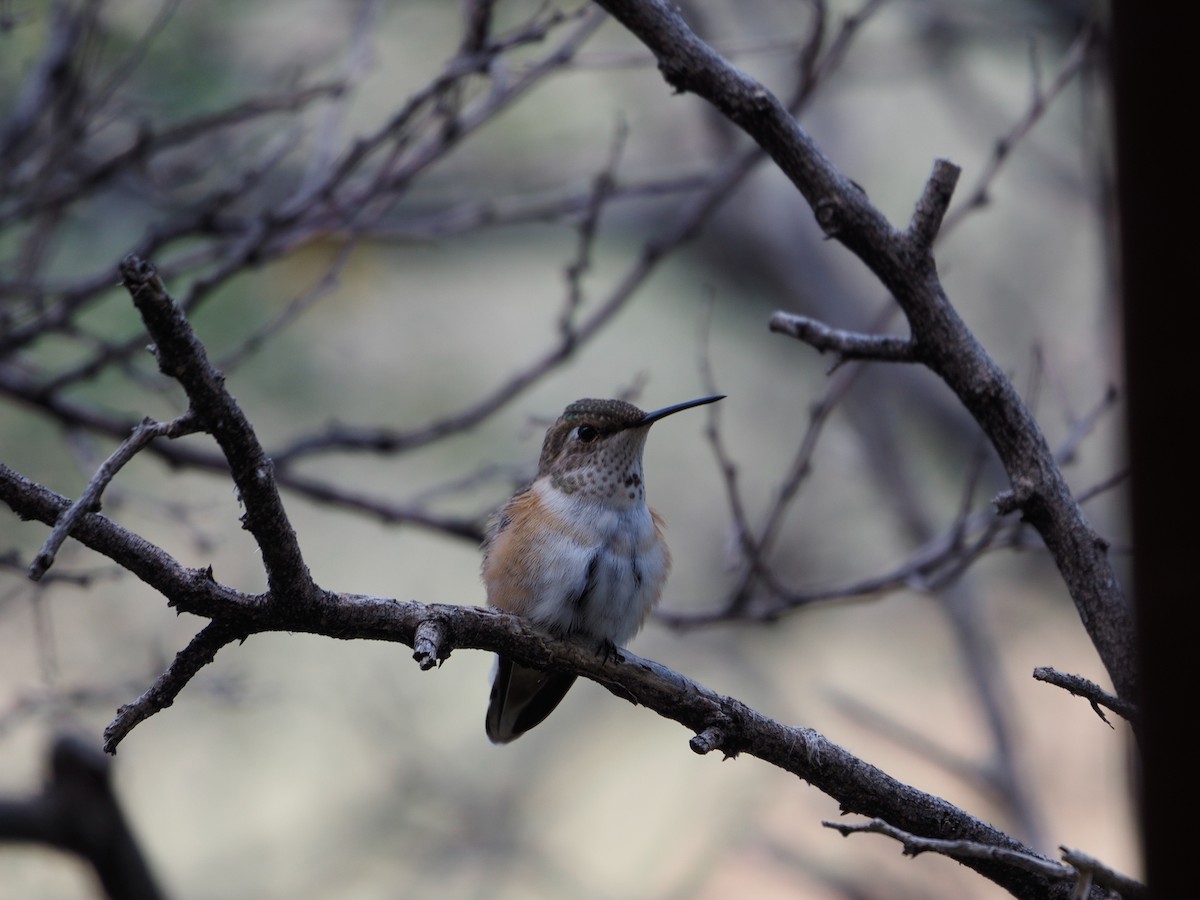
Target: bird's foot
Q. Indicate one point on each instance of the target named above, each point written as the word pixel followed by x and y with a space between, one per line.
pixel 610 651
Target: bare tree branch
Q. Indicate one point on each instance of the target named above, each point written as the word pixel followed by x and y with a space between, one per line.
pixel 722 723
pixel 69 142
pixel 181 356
pixel 1073 62
pixel 903 263
pixel 77 811
pixel 187 663
pixel 1088 690
pixel 846 344
pixel 1082 870
pixel 89 500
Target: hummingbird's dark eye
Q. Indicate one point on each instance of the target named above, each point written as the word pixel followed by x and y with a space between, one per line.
pixel 587 433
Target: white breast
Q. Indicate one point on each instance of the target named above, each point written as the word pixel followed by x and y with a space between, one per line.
pixel 603 572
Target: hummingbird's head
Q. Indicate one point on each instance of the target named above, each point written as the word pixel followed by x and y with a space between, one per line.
pixel 596 446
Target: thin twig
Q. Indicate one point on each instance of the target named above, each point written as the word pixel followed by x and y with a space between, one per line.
pixel 187 663
pixel 1088 690
pixel 89 500
pixel 978 196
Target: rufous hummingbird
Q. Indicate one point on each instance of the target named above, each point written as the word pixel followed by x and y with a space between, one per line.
pixel 578 552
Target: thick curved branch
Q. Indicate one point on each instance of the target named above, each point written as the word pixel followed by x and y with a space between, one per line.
pixel 904 264
pixel 718 722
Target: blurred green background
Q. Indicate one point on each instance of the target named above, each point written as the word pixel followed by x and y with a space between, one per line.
pixel 305 767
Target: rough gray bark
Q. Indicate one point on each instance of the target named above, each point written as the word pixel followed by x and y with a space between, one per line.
pixel 903 261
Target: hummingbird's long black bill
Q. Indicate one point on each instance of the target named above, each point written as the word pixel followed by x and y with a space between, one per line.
pixel 678 407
